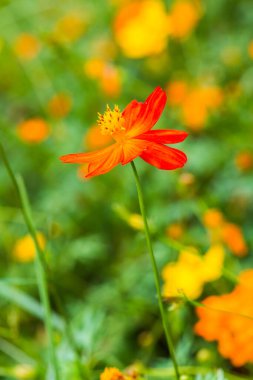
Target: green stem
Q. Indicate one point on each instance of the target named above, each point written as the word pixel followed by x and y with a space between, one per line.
pixel 156 274
pixel 39 261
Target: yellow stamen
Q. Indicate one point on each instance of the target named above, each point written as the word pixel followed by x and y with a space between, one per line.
pixel 111 121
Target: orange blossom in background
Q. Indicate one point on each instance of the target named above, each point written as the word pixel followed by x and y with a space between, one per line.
pixel 131 131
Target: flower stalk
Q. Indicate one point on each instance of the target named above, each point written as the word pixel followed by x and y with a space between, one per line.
pixel 166 327
pixel 39 261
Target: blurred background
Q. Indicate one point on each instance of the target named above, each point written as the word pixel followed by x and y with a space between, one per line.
pixel 60 64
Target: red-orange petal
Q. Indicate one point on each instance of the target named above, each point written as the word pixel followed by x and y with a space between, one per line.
pixel 133 148
pixel 141 117
pixel 109 161
pixel 164 136
pixel 164 157
pixel 82 158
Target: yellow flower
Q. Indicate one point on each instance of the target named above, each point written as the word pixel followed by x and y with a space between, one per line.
pixel 183 17
pixel 26 46
pixel 213 263
pixel 189 274
pixel 135 221
pixel 141 28
pixel 24 372
pixel 24 250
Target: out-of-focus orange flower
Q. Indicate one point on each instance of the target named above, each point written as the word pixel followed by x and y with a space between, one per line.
pixel 59 105
pixel 213 218
pixel 177 92
pixel 141 28
pixel 131 373
pixel 197 105
pixel 111 81
pixel 94 67
pixel 112 374
pixel 24 249
pixel 224 232
pixel 183 17
pixel 179 276
pixel 233 237
pixel 250 49
pixel 33 130
pixel 94 139
pixel 175 231
pixel 244 161
pixel 194 112
pixel 108 75
pixel 26 46
pixel 228 319
pixel 69 28
pixel 186 179
pixel 131 131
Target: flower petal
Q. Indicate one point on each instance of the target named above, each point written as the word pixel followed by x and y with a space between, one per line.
pixel 133 148
pixel 109 161
pixel 141 117
pixel 81 158
pixel 164 136
pixel 164 157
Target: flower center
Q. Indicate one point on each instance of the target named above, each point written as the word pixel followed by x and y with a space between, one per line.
pixel 111 121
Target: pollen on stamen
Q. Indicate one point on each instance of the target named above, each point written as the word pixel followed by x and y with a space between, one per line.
pixel 111 121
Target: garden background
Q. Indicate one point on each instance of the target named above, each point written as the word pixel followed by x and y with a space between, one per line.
pixel 61 63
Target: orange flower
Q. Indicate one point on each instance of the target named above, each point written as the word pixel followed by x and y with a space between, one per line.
pixel 175 231
pixel 228 319
pixel 250 49
pixel 107 74
pixel 223 231
pixel 94 139
pixel 244 161
pixel 133 137
pixel 111 81
pixel 33 130
pixel 213 218
pixel 177 92
pixel 69 28
pixel 26 46
pixel 183 17
pixel 94 67
pixel 59 106
pixel 197 105
pixel 233 237
pixel 112 374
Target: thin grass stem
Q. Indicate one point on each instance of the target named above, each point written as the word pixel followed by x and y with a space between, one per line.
pixel 39 262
